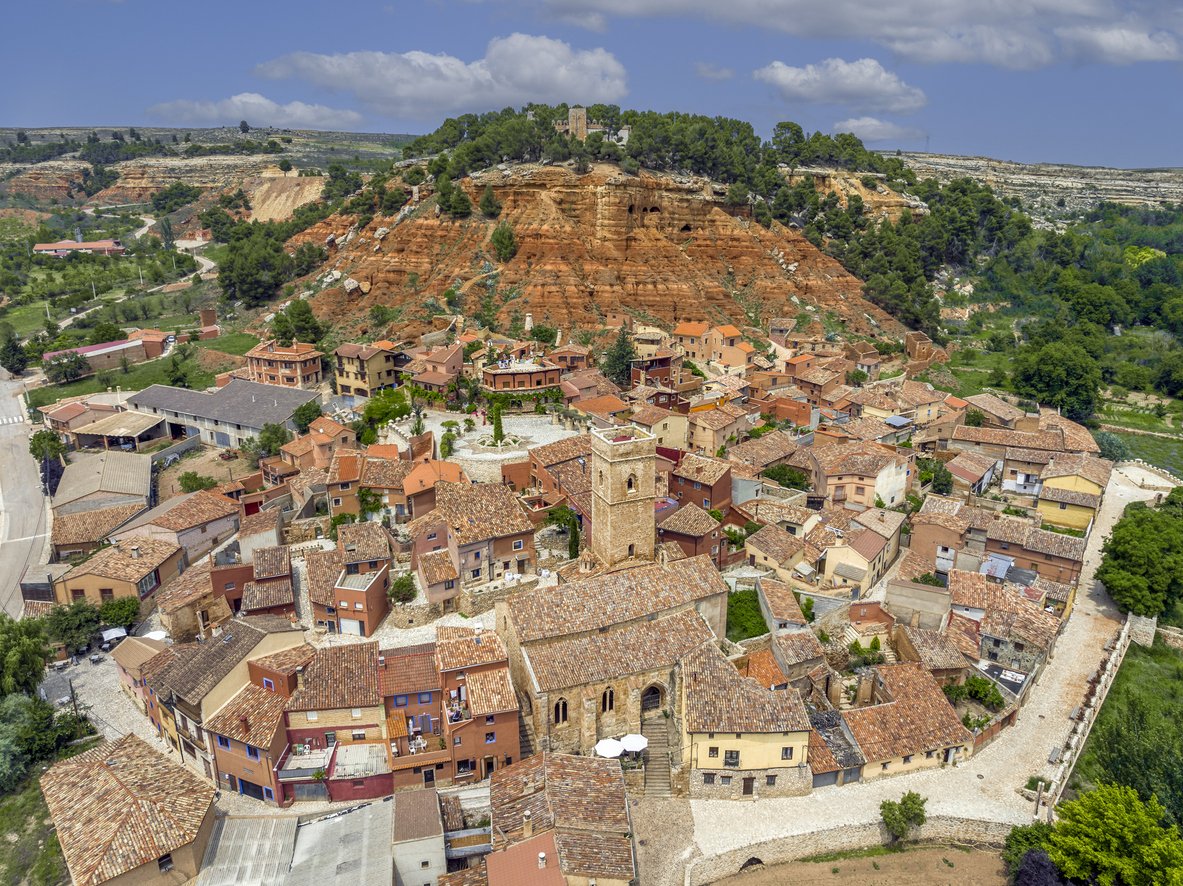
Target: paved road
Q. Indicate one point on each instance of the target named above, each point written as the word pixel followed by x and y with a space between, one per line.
pixel 22 506
pixel 984 788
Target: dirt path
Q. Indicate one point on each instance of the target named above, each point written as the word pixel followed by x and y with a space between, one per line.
pixel 935 866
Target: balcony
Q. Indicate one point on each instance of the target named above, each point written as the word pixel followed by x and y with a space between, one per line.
pixel 300 766
pixel 458 712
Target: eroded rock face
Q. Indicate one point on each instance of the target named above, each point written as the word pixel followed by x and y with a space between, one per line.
pixel 659 246
pixel 1041 185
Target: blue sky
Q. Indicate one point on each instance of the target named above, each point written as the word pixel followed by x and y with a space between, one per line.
pixel 1096 82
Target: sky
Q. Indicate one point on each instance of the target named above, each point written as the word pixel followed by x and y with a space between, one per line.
pixel 1090 82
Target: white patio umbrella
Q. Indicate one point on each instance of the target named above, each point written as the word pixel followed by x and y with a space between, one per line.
pixel 609 747
pixel 634 744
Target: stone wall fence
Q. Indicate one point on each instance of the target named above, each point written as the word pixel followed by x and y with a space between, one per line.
pixel 1153 469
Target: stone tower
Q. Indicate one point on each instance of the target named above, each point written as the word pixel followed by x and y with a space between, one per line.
pixel 577 122
pixel 623 494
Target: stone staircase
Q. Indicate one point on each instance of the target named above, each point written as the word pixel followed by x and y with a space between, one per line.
pixel 657 757
pixel 889 656
pixel 525 743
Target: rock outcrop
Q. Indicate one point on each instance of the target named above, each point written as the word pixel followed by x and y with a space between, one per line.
pixel 661 247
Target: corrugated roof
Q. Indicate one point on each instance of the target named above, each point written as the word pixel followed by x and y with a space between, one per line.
pixel 125 473
pixel 242 402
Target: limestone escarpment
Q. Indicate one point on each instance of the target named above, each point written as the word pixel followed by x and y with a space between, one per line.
pixel 661 247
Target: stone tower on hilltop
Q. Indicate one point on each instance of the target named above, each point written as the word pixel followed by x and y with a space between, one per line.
pixel 623 494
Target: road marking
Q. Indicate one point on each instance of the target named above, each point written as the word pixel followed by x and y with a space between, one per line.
pixel 9 541
pixel 11 420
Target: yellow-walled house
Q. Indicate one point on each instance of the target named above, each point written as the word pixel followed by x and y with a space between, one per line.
pixel 740 740
pixel 132 568
pixel 1071 487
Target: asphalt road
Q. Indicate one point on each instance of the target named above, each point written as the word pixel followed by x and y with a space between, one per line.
pixel 22 506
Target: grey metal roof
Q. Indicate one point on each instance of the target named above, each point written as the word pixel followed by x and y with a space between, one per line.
pixel 125 473
pixel 241 402
pixel 349 848
pixel 249 852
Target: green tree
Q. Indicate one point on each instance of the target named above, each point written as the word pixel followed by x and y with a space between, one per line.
pixel 490 208
pixel 46 444
pixel 244 127
pixel 12 356
pixel 307 259
pixel 1142 559
pixel 191 481
pixel 177 369
pixel 900 817
pixel 503 242
pixel 285 165
pixel 1023 839
pixel 296 322
pixel 737 195
pixel 74 625
pixel 617 362
pixel 572 536
pixel 66 367
pixel 104 332
pixel 974 418
pixel 1060 375
pixel 1110 837
pixel 272 437
pixel 122 612
pixel 23 654
pixel 368 502
pixel 305 415
pixel 447 444
pixel 498 430
pixel 402 589
pixel 254 268
pixel 1112 446
pixel 942 478
pixel 789 478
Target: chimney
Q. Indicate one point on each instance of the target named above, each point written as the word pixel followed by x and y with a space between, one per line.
pixel 135 552
pixel 244 723
pixel 477 639
pixel 382 661
pixel 300 676
pixel 541 859
pixel 527 824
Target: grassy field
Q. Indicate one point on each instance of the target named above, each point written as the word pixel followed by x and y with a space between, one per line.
pixel 233 343
pixel 31 853
pixel 1161 451
pixel 152 373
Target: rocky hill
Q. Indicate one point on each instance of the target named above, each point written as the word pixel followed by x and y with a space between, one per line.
pixel 662 247
pixel 1042 185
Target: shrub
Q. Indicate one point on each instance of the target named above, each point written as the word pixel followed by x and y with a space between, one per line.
pixel 402 589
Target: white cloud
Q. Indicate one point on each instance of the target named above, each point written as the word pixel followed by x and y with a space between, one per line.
pixel 872 129
pixel 1007 33
pixel 708 71
pixel 1119 45
pixel 861 84
pixel 515 70
pixel 257 110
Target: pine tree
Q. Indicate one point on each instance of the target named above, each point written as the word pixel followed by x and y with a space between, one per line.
pixel 12 356
pixel 498 431
pixel 618 358
pixel 490 208
pixel 573 537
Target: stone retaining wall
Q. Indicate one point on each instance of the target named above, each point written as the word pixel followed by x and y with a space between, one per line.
pixel 412 615
pixel 793 848
pixel 1173 637
pixel 481 598
pixel 1154 469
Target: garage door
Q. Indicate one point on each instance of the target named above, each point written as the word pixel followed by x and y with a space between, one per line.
pixel 824 779
pixel 221 439
pixel 351 626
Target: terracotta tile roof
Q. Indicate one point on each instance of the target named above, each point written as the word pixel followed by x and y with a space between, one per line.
pixel 612 598
pixel 996 407
pixel 606 404
pixel 122 804
pixel 1029 456
pixel 762 667
pixel 477 876
pixel 1076 437
pixel 1046 440
pixel 251 716
pixel 635 648
pixel 937 652
pixel 1055 544
pixel 384 473
pixel 1070 496
pixel 781 601
pixel 821 759
pixel 187 511
pixel 260 521
pixel 361 542
pixel 562 450
pixel 437 567
pixel 1012 530
pixel 579 797
pixel 266 594
pixel 193 675
pixel 867 544
pixel 1095 470
pixel 340 677
pixel 425 475
pixel 915 393
pixel 970 466
pixel 408 669
pixel 648 416
pixel 776 543
pixel 702 469
pixel 714 419
pixel 720 699
pixel 346 467
pixel 91 527
pixel 121 562
pixel 286 660
pixel 881 521
pixel 475 512
pixel 1032 626
pixel 861 459
pixel 325 425
pixel 272 562
pixel 918 718
pixel 689 519
pixel 771 510
pixel 133 652
pixel 797 647
pixel 1052 590
pixel 763 451
pixel 693 329
pixel 458 648
pixel 323 568
pixel 490 692
pixel 672 550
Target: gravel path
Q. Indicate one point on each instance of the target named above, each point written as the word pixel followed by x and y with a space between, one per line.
pixel 984 788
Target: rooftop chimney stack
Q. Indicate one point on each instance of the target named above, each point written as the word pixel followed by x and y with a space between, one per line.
pixel 541 859
pixel 135 552
pixel 527 824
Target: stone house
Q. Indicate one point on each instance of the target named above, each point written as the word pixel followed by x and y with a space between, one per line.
pixel 197 522
pixel 703 480
pixel 292 366
pixel 595 657
pixel 348 585
pixel 711 429
pixel 777 550
pixel 739 739
pixel 361 370
pixel 132 568
pixel 931 648
pixel 694 531
pixel 668 428
pixel 859 475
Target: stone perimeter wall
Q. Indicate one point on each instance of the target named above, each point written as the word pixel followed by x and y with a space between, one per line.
pixel 703 871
